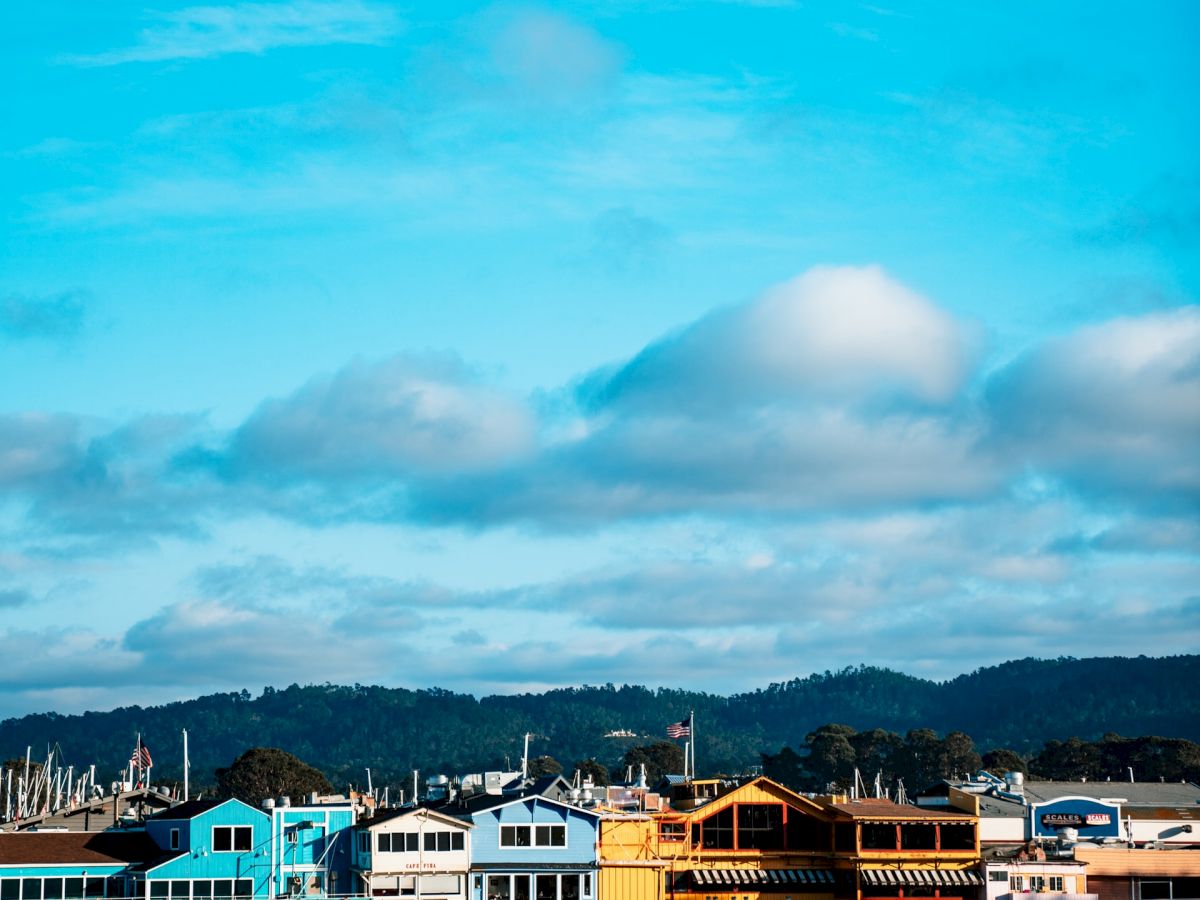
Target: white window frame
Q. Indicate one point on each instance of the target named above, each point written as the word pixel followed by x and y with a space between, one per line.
pixel 532 828
pixel 233 833
pixel 1056 883
pixel 1016 882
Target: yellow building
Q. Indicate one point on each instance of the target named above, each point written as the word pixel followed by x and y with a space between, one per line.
pixel 761 841
pixel 908 851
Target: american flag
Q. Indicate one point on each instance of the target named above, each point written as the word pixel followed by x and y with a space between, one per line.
pixel 680 729
pixel 141 756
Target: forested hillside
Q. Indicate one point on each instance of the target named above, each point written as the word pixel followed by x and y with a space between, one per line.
pixel 1019 705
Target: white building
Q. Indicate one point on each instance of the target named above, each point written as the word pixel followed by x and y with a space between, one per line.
pixel 414 853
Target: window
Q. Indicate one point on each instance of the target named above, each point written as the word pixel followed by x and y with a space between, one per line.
pixel 203 889
pixel 243 887
pixel 10 889
pixel 916 837
pixel 672 832
pixel 1016 883
pixel 997 875
pixel 52 888
pixel 1037 883
pixel 73 888
pixel 760 826
pixel 160 889
pixel 291 835
pixel 31 889
pixel 806 833
pixel 174 838
pixel 958 837
pixel 717 830
pixel 181 889
pixel 232 838
pixel 587 884
pixel 456 840
pixel 878 837
pixel 93 887
pixel 1056 883
pixel 383 842
pixel 222 889
pixel 364 842
pixel 1155 890
pixel 546 887
pixel 410 842
pixel 844 838
pixel 498 887
pixel 439 841
pixel 533 835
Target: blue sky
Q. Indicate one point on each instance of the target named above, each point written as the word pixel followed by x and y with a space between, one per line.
pixel 499 347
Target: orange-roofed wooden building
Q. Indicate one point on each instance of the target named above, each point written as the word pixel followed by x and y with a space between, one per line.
pixel 761 841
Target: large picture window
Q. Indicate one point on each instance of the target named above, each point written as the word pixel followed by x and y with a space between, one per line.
pixel 760 826
pixel 717 830
pixel 232 838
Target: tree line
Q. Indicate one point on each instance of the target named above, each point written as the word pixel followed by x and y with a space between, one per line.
pixel 831 756
pixel 344 729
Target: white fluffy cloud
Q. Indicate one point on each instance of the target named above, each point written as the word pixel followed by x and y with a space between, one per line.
pixel 395 418
pixel 1113 407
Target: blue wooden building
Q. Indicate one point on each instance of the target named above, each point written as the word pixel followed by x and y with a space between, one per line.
pixel 312 850
pixel 209 850
pixel 533 847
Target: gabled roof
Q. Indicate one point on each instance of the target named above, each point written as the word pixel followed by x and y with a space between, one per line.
pixel 736 795
pixel 82 847
pixel 489 802
pixel 193 808
pixel 388 815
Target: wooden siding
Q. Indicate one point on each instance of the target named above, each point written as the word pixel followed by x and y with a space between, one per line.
pixel 630 883
pixel 203 862
pixel 582 834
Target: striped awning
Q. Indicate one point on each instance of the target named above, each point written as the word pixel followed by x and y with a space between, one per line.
pixel 762 876
pixel 923 877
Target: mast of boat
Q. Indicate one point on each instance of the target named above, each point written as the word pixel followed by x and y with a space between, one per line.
pixel 186 765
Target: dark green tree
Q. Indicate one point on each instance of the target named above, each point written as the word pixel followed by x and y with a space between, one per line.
pixel 263 772
pixel 589 768
pixel 661 758
pixel 1001 760
pixel 831 756
pixel 787 767
pixel 1068 760
pixel 957 756
pixel 544 765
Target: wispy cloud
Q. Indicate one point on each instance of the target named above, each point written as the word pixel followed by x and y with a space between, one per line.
pixel 199 32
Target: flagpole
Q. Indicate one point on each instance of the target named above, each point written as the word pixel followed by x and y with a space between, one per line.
pixel 692 729
pixel 185 766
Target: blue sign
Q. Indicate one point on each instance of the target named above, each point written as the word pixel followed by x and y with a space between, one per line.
pixel 1093 819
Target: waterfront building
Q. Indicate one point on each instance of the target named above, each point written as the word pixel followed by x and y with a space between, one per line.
pixel 70 865
pixel 312 847
pixel 208 850
pixel 529 846
pixel 419 853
